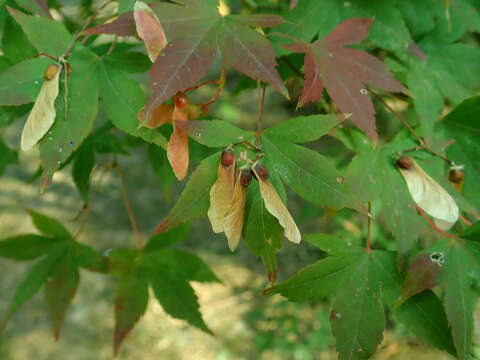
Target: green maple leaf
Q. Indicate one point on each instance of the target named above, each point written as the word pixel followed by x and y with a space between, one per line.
pixel 60 258
pixel 361 284
pixel 135 271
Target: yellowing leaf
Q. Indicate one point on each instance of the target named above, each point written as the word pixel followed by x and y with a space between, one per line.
pixel 42 116
pixel 149 29
pixel 177 149
pixel 222 191
pixel 275 205
pixel 428 194
pixel 233 222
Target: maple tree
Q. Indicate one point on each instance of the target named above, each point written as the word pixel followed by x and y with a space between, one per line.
pixel 383 134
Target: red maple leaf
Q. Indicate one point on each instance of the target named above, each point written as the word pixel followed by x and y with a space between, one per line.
pixel 344 71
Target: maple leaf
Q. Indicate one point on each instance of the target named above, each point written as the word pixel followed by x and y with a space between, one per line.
pixel 60 257
pixel 344 71
pixel 362 284
pixel 136 270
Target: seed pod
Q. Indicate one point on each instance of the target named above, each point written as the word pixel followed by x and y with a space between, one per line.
pixel 275 205
pixel 430 196
pixel 228 157
pixel 43 113
pixel 51 71
pixel 456 176
pixel 177 148
pixel 222 191
pixel 404 162
pixel 149 29
pixel 233 223
pixel 161 115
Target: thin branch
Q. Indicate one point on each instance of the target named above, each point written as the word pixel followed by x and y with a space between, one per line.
pixel 112 46
pixel 88 207
pixel 249 144
pixel 432 224
pixel 261 101
pixel 128 207
pixel 77 37
pixel 369 220
pixel 418 138
pixel 221 84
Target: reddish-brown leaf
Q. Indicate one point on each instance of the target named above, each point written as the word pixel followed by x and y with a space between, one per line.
pixel 250 53
pixel 183 62
pixel 149 29
pixel 177 149
pixel 124 25
pixel 344 71
pixel 293 3
pixel 422 274
pixel 414 49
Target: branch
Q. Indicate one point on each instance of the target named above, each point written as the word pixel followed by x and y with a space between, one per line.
pixel 131 216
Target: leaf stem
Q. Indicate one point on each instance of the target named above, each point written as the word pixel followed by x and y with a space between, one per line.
pixel 131 216
pixel 432 224
pixel 249 144
pixel 261 101
pixel 369 220
pixel 464 220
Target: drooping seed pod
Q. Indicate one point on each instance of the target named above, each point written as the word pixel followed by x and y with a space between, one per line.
pixel 43 113
pixel 275 205
pixel 222 191
pixel 177 147
pixel 456 176
pixel 233 222
pixel 149 29
pixel 429 195
pixel 161 115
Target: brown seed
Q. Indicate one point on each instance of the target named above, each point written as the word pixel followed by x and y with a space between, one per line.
pixel 51 71
pixel 405 162
pixel 228 157
pixel 456 176
pixel 262 172
pixel 180 100
pixel 245 177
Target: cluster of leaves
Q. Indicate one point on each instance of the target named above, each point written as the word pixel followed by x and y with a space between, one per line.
pixel 411 48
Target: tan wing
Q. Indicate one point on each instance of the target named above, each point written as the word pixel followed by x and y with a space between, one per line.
pixel 221 196
pixel 233 222
pixel 277 208
pixel 430 196
pixel 42 116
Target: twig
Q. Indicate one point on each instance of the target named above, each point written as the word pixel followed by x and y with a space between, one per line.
pixel 89 206
pixel 465 220
pixel 418 138
pixel 221 84
pixel 249 144
pixel 128 207
pixel 112 46
pixel 261 100
pixel 369 220
pixel 432 224
pixel 77 37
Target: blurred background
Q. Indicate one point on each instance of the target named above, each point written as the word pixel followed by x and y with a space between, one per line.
pixel 247 324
